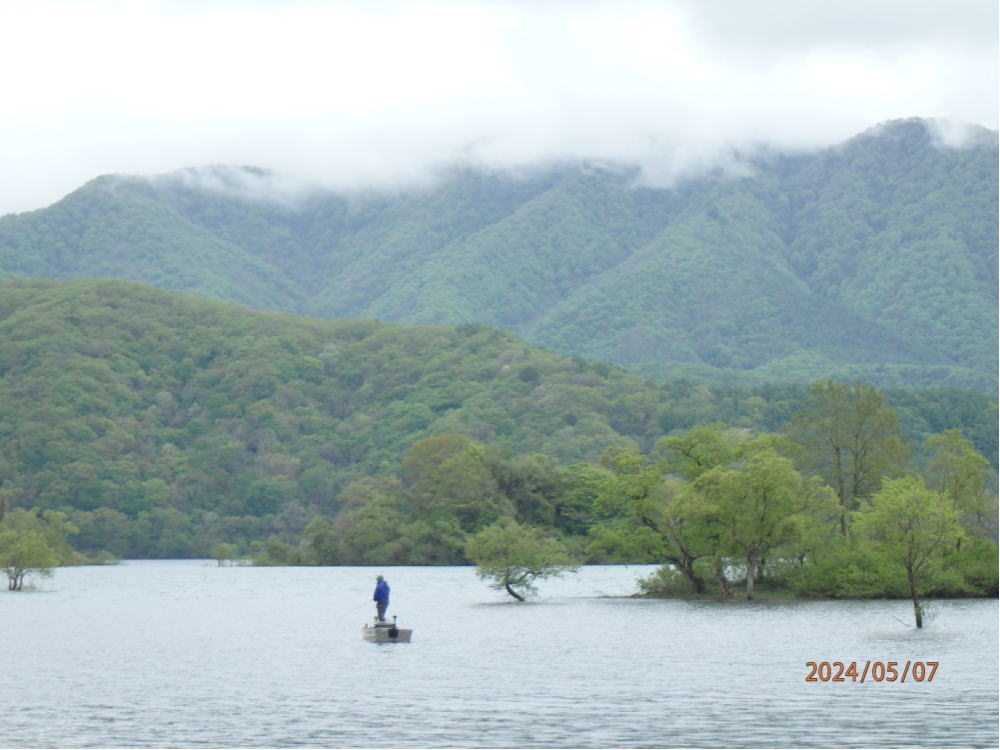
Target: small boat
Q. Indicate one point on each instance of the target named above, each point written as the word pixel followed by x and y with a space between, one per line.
pixel 386 632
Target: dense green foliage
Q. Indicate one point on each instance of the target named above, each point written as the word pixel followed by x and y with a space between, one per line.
pixel 169 426
pixel 33 544
pixel 850 439
pixel 875 260
pixel 513 557
pixel 729 505
pixel 914 529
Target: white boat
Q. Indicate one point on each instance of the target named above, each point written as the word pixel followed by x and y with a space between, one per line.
pixel 386 632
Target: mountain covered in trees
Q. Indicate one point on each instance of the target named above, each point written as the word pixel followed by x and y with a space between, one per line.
pixel 875 259
pixel 164 423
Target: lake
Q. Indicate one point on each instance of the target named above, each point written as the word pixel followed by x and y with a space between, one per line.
pixel 187 654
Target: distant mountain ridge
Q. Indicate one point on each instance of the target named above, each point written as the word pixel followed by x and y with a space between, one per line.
pixel 874 259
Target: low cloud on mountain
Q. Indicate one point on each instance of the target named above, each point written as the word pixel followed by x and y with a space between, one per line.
pixel 382 94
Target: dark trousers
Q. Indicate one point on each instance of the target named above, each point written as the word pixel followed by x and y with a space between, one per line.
pixel 381 607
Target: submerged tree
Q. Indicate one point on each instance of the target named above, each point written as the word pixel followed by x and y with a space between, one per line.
pixel 913 527
pixel 515 556
pixel 33 544
pixel 24 552
pixel 225 553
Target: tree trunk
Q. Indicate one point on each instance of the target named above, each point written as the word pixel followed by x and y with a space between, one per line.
pixel 682 561
pixel 918 611
pixel 689 575
pixel 720 576
pixel 841 487
pixel 751 574
pixel 513 593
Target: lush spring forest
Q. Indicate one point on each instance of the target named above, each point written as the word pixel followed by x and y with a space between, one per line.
pixel 137 422
pixel 873 260
pixel 783 379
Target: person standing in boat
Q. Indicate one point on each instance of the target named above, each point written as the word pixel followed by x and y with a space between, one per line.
pixel 381 597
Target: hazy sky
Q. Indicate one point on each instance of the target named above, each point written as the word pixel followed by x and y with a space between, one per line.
pixel 381 92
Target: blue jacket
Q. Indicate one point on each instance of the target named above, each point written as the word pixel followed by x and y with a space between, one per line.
pixel 381 592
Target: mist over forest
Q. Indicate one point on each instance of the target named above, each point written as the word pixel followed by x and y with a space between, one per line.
pixel 875 259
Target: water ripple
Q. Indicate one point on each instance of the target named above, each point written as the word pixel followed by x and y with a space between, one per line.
pixel 182 654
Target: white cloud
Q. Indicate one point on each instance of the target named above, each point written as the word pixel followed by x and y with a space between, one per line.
pixel 379 92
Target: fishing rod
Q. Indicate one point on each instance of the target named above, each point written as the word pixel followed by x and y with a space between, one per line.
pixel 355 608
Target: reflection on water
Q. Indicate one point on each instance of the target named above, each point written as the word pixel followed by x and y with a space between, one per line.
pixel 185 654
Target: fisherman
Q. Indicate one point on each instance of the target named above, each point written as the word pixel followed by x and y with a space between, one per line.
pixel 381 597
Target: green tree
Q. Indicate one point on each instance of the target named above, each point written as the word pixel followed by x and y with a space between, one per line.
pixel 33 544
pixel 697 450
pixel 432 541
pixel 758 505
pixel 462 486
pixel 6 496
pixel 850 438
pixel 690 455
pixel 513 557
pixel 532 484
pixel 960 472
pixel 225 553
pixel 319 542
pixel 370 534
pixel 425 456
pixel 640 516
pixel 274 552
pixel 914 528
pixel 580 485
pixel 656 493
pixel 23 552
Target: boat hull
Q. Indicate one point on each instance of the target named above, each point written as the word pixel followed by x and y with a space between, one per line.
pixel 382 634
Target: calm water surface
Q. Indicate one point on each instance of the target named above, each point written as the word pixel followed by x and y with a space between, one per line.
pixel 186 654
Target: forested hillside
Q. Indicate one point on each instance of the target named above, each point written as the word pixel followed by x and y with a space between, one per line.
pixel 163 423
pixel 875 260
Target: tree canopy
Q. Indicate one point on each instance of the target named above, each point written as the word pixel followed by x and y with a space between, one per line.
pixel 914 528
pixel 514 557
pixel 33 544
pixel 850 438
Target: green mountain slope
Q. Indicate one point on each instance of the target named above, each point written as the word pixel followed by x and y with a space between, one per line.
pixel 713 292
pixel 124 230
pixel 163 414
pixel 156 374
pixel 875 259
pixel 905 233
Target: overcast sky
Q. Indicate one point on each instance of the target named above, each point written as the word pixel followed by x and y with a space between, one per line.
pixel 380 93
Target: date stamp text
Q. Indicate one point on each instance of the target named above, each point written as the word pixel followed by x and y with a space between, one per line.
pixel 875 671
